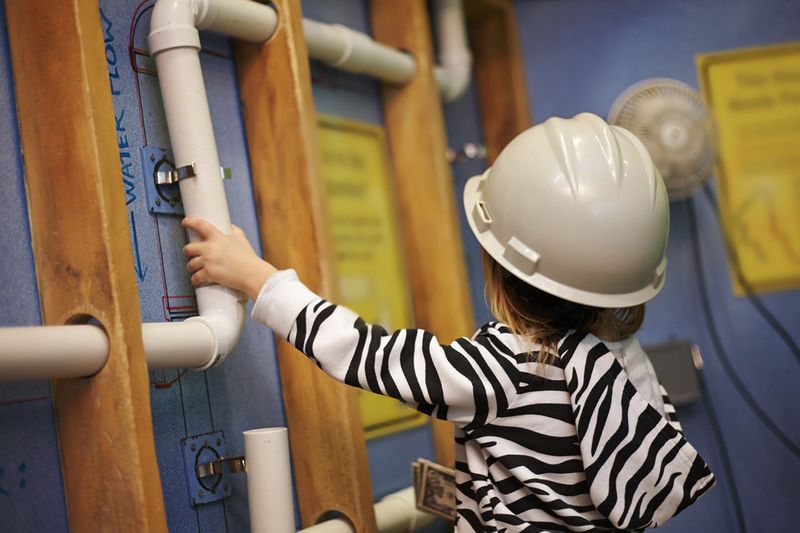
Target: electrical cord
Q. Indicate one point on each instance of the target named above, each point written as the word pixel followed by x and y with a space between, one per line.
pixel 716 340
pixel 723 453
pixel 765 313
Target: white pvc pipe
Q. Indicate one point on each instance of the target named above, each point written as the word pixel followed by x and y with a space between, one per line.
pixel 242 19
pixel 174 45
pixel 455 60
pixel 188 344
pixel 395 513
pixel 52 352
pixel 353 51
pixel 269 480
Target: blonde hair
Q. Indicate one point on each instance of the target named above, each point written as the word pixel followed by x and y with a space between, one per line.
pixel 544 319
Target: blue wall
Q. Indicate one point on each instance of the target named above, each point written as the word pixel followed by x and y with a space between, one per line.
pixel 578 56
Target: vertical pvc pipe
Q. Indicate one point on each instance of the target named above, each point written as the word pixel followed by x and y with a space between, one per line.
pixel 269 480
pixel 175 43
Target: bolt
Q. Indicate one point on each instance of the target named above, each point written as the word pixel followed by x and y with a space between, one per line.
pixel 202 493
pixel 194 447
pixel 158 201
pixel 152 157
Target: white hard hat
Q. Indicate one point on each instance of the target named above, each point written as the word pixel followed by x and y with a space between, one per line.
pixel 576 208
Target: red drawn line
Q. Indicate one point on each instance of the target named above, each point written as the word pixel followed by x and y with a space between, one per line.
pixel 167 384
pixel 25 400
pixel 138 52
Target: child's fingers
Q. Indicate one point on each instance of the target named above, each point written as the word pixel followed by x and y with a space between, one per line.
pixel 194 264
pixel 205 229
pixel 194 249
pixel 200 278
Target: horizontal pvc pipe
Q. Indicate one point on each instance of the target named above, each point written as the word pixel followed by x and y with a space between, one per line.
pixel 395 513
pixel 52 352
pixel 242 19
pixel 269 480
pixel 188 344
pixel 353 51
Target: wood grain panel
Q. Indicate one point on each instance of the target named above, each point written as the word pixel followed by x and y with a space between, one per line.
pixel 498 72
pixel 424 185
pixel 84 262
pixel 327 440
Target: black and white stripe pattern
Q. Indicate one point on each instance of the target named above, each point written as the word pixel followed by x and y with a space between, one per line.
pixel 572 447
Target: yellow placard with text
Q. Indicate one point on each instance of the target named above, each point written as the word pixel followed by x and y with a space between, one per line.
pixel 754 95
pixel 372 280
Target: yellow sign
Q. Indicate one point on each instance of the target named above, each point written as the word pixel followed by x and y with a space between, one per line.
pixel 754 95
pixel 371 274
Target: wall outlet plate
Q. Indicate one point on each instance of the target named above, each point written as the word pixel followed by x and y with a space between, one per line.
pixel 199 449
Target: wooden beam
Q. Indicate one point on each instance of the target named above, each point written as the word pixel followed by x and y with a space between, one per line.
pixel 84 262
pixel 424 184
pixel 327 439
pixel 498 72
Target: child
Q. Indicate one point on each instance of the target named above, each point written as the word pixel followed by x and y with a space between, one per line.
pixel 560 422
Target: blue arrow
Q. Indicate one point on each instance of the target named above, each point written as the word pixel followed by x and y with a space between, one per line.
pixel 139 272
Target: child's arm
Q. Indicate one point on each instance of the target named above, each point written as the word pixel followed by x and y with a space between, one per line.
pixel 640 469
pixel 467 382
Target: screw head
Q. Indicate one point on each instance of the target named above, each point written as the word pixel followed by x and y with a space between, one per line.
pixel 201 493
pixel 194 447
pixel 152 157
pixel 158 201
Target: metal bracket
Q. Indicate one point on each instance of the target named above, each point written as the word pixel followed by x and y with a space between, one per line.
pixel 468 152
pixel 167 177
pixel 206 466
pixel 233 465
pixel 161 178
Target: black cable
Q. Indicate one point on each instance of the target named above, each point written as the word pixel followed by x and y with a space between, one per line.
pixel 717 340
pixel 726 461
pixel 765 313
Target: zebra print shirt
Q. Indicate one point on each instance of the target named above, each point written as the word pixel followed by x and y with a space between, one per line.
pixel 572 448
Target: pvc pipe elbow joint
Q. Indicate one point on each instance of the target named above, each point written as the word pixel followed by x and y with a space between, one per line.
pixel 172 25
pixel 226 328
pixel 454 79
pixel 175 23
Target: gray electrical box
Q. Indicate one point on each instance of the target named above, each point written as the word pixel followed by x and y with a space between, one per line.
pixel 677 365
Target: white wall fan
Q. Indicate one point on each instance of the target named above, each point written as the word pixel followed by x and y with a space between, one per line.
pixel 673 123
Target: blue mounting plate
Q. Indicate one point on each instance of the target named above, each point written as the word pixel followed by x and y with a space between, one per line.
pixel 162 199
pixel 199 449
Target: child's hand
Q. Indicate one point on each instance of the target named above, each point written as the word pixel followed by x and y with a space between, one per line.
pixel 225 259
